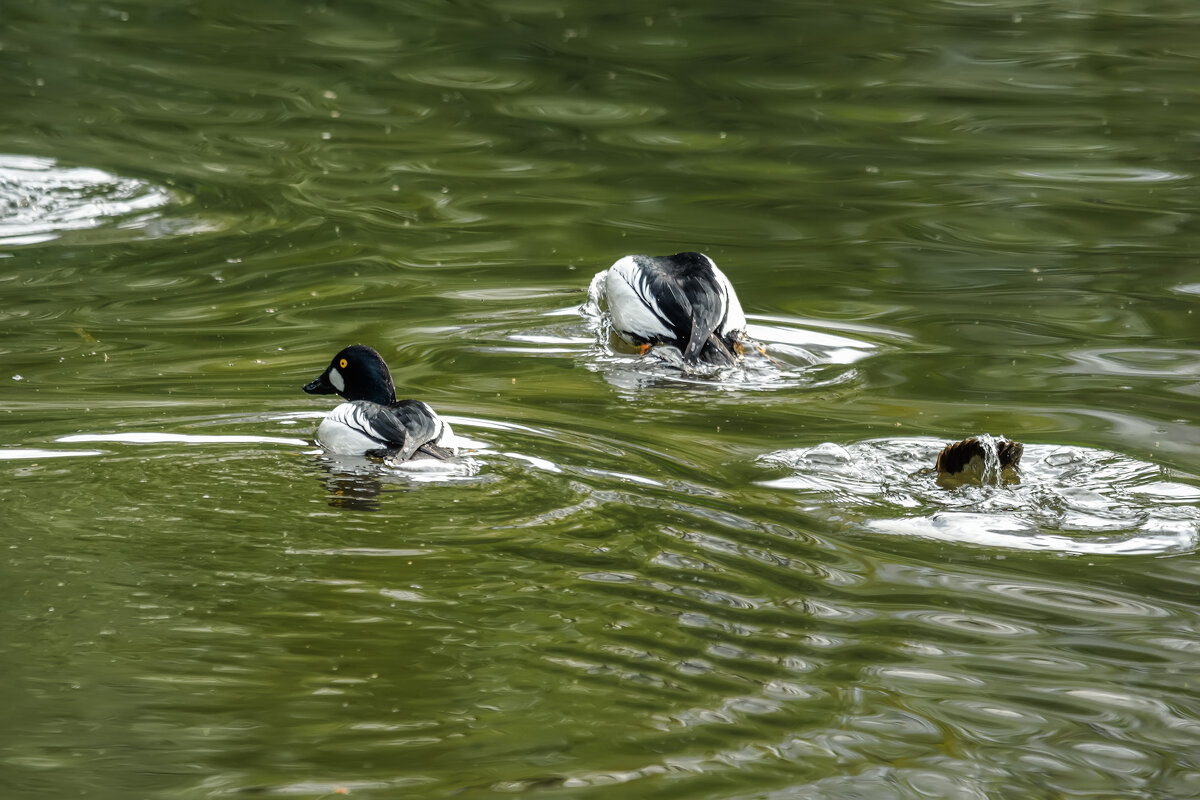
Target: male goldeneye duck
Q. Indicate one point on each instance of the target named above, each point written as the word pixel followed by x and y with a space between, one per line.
pixel 682 300
pixel 372 421
pixel 968 460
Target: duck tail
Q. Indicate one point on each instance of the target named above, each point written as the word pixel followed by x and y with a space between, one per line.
pixel 956 457
pixel 711 351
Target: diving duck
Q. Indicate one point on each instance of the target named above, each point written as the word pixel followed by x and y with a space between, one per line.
pixel 968 460
pixel 682 300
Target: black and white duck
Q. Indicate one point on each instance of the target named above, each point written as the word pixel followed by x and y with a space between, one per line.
pixel 372 421
pixel 681 300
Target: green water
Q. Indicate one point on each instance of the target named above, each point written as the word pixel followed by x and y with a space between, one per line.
pixel 943 219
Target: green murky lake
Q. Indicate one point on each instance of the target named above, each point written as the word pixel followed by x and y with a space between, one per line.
pixel 943 219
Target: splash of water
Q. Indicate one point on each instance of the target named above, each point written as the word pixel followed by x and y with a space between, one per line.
pixel 1070 499
pixel 40 199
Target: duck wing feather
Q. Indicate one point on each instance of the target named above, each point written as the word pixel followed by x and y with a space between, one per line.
pixel 404 426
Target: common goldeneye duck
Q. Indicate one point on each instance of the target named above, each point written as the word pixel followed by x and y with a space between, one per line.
pixel 372 421
pixel 682 300
pixel 968 460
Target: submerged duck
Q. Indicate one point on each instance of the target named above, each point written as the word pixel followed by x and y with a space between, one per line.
pixel 968 460
pixel 373 422
pixel 682 300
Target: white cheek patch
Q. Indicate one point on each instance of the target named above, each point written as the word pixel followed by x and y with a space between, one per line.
pixel 337 380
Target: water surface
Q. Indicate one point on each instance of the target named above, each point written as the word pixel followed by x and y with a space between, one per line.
pixel 943 219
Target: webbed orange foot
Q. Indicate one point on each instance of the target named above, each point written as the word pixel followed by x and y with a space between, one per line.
pixel 762 351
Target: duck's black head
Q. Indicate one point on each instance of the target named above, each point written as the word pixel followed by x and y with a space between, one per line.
pixel 356 373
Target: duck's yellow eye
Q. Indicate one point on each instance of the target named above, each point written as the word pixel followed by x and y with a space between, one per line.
pixel 342 363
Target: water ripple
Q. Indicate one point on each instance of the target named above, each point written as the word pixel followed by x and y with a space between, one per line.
pixel 39 200
pixel 475 79
pixel 580 111
pixel 1152 362
pixel 794 353
pixel 1070 499
pixel 1075 174
pixel 951 214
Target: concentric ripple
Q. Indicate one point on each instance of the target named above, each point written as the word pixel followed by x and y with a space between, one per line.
pixel 40 199
pixel 783 353
pixel 1069 499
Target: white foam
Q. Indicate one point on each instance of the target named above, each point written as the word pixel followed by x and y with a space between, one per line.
pixel 181 438
pixel 21 453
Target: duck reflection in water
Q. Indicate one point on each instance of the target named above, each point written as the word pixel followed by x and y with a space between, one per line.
pixel 980 460
pixel 349 488
pixel 359 484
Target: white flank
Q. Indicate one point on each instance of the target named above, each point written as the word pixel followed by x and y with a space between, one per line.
pixel 448 440
pixel 735 318
pixel 445 434
pixel 345 431
pixel 439 424
pixel 631 304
